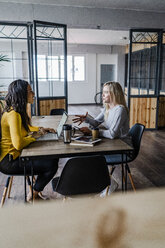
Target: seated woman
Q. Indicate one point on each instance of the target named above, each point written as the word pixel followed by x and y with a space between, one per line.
pixel 114 117
pixel 15 128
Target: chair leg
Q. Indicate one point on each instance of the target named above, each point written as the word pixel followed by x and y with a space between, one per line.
pixel 29 183
pixel 130 177
pixel 34 179
pixel 112 170
pixel 107 190
pixel 5 191
pixel 10 185
pixel 123 177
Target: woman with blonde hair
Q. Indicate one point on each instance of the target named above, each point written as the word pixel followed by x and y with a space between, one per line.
pixel 114 117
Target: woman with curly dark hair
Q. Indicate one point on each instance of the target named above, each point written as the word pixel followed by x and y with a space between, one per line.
pixel 15 129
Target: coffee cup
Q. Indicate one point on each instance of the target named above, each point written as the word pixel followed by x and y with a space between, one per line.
pixel 67 129
pixel 95 133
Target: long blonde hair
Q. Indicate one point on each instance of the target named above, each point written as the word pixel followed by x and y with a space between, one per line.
pixel 117 96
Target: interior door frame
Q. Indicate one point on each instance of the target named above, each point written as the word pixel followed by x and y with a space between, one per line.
pixel 158 70
pixel 57 25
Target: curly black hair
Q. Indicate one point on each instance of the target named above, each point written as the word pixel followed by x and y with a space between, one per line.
pixel 17 99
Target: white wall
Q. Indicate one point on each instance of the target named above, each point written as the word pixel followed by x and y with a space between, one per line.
pixel 105 59
pixel 120 51
pixel 84 92
pixel 78 92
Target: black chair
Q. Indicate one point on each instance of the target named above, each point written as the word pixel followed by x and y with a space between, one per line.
pixel 83 175
pixel 57 111
pixel 135 133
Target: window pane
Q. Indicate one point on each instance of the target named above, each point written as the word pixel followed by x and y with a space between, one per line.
pixel 79 68
pixel 41 61
pixel 143 69
pixel 61 68
pixel 53 68
pixel 69 68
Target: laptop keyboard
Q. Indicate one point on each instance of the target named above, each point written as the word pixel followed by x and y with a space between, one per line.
pixel 48 136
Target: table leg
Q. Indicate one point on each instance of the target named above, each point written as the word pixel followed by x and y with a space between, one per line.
pixel 122 169
pixel 25 182
pixel 32 178
pixel 126 173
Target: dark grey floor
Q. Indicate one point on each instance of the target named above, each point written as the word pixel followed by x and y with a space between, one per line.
pixel 148 170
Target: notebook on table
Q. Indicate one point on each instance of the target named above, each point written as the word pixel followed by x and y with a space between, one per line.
pixel 84 141
pixel 55 136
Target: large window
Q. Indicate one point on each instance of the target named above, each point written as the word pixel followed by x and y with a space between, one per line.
pixel 52 68
pixel 143 71
pixel 76 68
pixel 144 63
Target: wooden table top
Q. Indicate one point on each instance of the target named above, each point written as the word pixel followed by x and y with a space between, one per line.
pixel 59 149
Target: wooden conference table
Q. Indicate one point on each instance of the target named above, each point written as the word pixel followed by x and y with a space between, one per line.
pixel 60 150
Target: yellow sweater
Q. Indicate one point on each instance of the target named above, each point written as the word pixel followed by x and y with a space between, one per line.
pixel 14 136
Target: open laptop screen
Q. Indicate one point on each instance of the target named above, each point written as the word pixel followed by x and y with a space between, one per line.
pixel 62 122
pixel 54 136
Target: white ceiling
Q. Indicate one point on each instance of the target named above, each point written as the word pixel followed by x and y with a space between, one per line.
pixel 141 5
pixel 98 37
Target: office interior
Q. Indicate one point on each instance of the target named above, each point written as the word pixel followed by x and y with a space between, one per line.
pixel 91 42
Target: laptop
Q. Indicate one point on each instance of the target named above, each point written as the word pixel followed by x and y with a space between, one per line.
pixel 55 136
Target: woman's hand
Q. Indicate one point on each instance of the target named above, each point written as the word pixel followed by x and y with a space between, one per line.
pixel 36 135
pixel 80 118
pixel 86 130
pixel 43 130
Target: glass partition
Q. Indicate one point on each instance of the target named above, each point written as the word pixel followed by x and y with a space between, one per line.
pixel 144 57
pixel 146 77
pixel 14 47
pixel 35 52
pixel 50 62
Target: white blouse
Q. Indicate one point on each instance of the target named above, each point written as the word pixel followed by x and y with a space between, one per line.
pixel 116 125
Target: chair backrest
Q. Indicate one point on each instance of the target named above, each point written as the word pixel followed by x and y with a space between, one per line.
pixel 57 111
pixel 136 132
pixel 83 175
